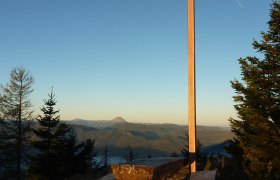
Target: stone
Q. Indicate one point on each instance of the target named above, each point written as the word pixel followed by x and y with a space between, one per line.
pixel 152 169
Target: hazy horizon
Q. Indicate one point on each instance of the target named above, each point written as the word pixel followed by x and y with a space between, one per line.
pixel 141 122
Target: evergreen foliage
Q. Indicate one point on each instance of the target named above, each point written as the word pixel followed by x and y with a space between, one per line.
pixel 105 157
pixel 257 131
pixel 59 156
pixel 174 154
pixel 130 156
pixel 201 158
pixel 15 124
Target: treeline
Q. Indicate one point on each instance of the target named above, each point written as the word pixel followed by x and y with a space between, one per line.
pixel 41 149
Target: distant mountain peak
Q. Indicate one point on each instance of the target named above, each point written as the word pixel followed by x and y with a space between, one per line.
pixel 119 119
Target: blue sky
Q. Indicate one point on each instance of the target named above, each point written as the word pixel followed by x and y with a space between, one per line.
pixel 128 58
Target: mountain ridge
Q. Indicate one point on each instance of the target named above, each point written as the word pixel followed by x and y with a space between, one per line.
pixel 119 119
pixel 152 139
pixel 97 123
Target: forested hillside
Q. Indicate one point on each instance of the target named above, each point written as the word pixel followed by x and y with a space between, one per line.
pixel 146 139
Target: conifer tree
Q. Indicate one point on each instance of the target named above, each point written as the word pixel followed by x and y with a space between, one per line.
pixel 59 155
pixel 71 158
pixel 42 164
pixel 200 156
pixel 130 156
pixel 16 115
pixel 257 131
pixel 105 157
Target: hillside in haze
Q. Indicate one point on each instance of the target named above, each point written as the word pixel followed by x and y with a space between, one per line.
pixel 145 139
pixel 97 123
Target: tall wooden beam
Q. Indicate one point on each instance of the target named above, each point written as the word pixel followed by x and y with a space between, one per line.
pixel 191 85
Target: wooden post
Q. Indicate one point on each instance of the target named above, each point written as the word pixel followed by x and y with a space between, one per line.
pixel 191 85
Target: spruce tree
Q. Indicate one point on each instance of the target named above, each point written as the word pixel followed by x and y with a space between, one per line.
pixel 105 157
pixel 130 156
pixel 16 115
pixel 257 131
pixel 71 157
pixel 200 156
pixel 58 156
pixel 42 164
